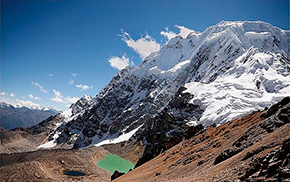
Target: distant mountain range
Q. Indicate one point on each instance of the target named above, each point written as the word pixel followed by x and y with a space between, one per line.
pixel 20 116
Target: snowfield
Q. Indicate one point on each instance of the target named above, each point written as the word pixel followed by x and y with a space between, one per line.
pixel 246 87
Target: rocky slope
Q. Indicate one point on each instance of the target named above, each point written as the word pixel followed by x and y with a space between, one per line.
pixel 251 148
pixel 13 117
pixel 255 147
pixel 228 70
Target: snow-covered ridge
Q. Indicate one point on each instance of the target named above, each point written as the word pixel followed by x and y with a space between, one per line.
pixel 13 116
pixel 4 104
pixel 231 68
pixel 246 87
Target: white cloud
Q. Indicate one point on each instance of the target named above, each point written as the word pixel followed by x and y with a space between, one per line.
pixel 168 34
pixel 71 81
pixel 50 75
pixel 82 87
pixel 57 93
pixel 27 103
pixel 20 103
pixel 34 97
pixel 71 99
pixel 183 32
pixel 58 97
pixel 74 74
pixel 39 86
pixel 143 46
pixel 120 63
pixel 6 98
pixel 3 93
pixel 12 95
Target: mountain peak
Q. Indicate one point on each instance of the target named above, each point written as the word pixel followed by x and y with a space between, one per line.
pixel 224 72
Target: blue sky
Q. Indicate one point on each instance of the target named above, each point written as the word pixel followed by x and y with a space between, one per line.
pixel 53 52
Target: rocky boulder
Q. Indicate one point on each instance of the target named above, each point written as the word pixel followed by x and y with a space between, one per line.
pixel 116 174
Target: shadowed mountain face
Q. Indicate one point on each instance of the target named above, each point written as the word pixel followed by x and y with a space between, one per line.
pixel 13 117
pixel 214 76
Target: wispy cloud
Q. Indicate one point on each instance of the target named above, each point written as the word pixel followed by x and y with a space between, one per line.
pixel 58 97
pixel 143 46
pixel 34 97
pixel 120 63
pixel 50 75
pixel 71 81
pixel 82 87
pixel 39 86
pixel 12 95
pixel 3 93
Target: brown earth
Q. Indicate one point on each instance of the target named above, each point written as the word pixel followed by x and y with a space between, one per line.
pixel 20 160
pixel 48 165
pixel 25 140
pixel 252 148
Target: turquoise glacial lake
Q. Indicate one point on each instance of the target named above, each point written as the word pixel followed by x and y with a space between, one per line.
pixel 113 162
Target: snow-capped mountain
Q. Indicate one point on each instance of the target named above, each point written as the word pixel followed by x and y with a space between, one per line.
pixel 209 77
pixel 12 116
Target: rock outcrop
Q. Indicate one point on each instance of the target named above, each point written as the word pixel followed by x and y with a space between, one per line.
pixel 116 174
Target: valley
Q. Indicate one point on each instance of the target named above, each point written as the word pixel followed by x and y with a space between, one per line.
pixel 229 151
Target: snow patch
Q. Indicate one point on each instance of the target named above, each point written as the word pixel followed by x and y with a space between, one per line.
pixel 257 35
pixel 121 138
pixel 179 66
pixel 67 113
pixel 51 143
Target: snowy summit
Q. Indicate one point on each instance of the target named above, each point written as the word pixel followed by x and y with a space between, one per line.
pixel 229 70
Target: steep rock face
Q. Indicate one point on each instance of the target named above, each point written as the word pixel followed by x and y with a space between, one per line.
pixel 81 104
pixel 169 127
pixel 218 66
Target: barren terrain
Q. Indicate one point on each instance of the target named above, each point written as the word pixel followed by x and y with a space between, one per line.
pixel 250 148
